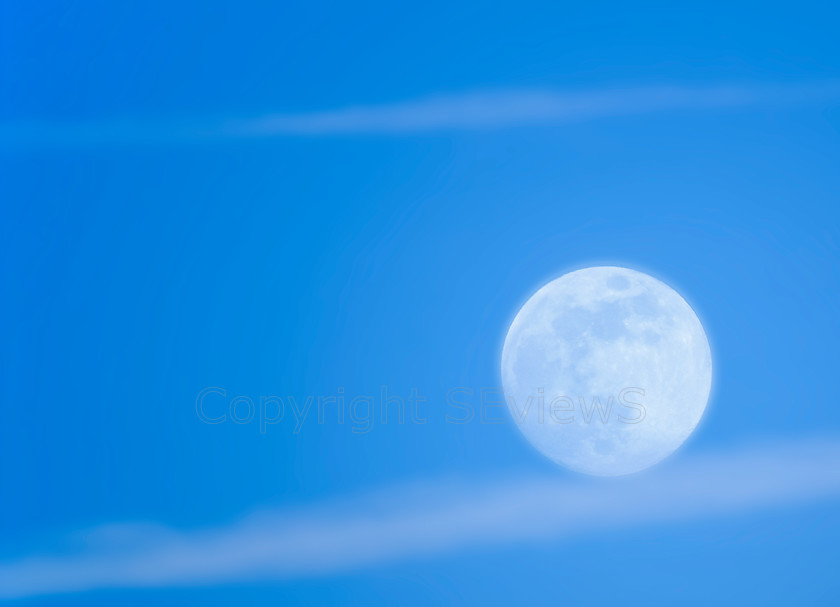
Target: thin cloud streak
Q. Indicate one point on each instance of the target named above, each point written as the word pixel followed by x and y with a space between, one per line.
pixel 493 110
pixel 429 519
pixel 470 111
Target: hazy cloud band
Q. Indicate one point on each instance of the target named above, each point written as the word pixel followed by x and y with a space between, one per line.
pixel 470 111
pixel 427 519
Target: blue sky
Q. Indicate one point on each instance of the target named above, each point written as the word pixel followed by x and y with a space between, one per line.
pixel 288 201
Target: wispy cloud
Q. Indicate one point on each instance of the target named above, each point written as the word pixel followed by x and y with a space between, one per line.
pixel 428 519
pixel 470 111
pixel 498 109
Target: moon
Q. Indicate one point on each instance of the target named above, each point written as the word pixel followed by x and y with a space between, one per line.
pixel 606 370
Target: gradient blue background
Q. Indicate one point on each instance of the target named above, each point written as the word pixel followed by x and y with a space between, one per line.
pixel 135 276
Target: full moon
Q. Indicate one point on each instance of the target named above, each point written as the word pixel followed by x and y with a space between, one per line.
pixel 606 370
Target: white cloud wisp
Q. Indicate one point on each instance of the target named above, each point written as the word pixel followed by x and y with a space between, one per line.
pixel 424 520
pixel 484 110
